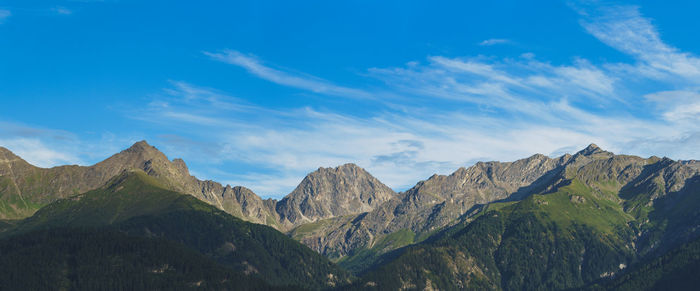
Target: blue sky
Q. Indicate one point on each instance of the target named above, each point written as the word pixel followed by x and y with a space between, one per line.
pixel 259 94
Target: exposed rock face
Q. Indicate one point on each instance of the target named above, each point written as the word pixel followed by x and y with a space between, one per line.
pixel 332 192
pixel 433 203
pixel 242 202
pixel 443 200
pixel 695 164
pixel 337 211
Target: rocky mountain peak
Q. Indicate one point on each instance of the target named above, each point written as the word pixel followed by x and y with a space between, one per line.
pixel 331 192
pixel 145 157
pixel 4 150
pixel 348 169
pixel 537 157
pixel 591 149
pixel 48 185
pixel 349 166
pixel 181 166
pixel 348 179
pixel 6 154
pixel 175 175
pixel 141 144
pixel 143 149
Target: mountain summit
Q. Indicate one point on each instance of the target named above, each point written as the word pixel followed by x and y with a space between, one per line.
pixel 331 192
pixel 137 205
pixel 26 188
pixel 591 150
pixel 325 193
pixel 579 218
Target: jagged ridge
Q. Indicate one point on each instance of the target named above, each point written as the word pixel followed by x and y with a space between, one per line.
pixel 327 192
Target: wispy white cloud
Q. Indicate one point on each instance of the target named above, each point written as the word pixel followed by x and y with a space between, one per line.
pixel 491 109
pixel 4 14
pixel 523 86
pixel 62 10
pixel 625 29
pixel 494 41
pixel 677 106
pixel 296 80
pixel 398 148
pixel 47 147
pixel 37 153
pixel 459 110
pixel 38 146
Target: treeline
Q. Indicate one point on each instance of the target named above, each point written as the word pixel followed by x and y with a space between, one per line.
pixel 102 259
pixel 678 269
pixel 137 211
pixel 501 251
pixel 243 246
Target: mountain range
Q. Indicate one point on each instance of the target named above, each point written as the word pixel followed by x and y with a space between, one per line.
pixel 325 193
pixel 574 221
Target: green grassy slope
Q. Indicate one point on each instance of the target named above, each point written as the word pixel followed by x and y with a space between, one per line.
pixel 602 216
pixel 125 196
pixel 363 258
pixel 554 241
pixel 135 204
pixel 12 205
